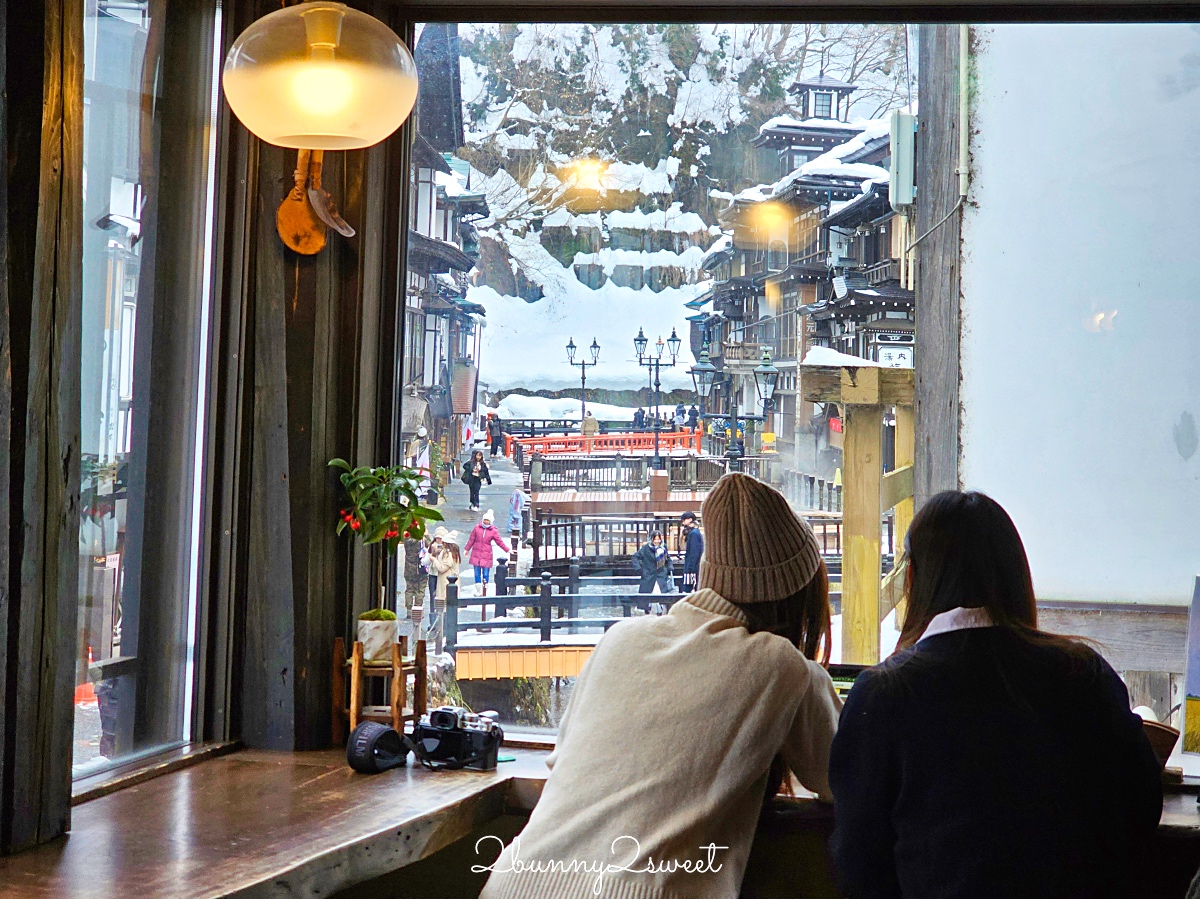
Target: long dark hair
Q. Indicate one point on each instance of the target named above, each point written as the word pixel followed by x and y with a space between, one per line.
pixel 964 550
pixel 804 620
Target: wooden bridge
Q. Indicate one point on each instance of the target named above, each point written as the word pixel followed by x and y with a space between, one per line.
pixel 636 442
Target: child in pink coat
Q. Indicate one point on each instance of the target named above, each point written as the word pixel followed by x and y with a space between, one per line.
pixel 479 549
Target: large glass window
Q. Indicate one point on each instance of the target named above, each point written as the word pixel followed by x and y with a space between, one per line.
pixel 140 458
pixel 573 186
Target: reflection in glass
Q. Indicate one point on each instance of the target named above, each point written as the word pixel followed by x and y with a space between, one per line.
pixel 132 664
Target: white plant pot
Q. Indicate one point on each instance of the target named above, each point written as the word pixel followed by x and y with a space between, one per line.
pixel 377 638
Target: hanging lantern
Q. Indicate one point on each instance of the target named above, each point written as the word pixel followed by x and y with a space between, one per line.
pixel 320 76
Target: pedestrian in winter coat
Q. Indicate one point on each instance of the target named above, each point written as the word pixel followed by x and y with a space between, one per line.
pixel 639 419
pixel 589 427
pixel 986 757
pixel 516 505
pixel 654 565
pixel 746 700
pixel 474 474
pixel 693 550
pixel 479 549
pixel 693 417
pixel 445 559
pixel 495 432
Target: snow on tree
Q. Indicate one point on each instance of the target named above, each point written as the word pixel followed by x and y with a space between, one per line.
pixel 606 151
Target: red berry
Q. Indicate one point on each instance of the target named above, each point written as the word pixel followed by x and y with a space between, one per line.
pixel 406 535
pixel 355 524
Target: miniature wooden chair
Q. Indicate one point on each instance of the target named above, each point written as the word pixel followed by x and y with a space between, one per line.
pixel 399 669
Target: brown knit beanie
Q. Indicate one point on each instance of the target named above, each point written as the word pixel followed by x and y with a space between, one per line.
pixel 755 547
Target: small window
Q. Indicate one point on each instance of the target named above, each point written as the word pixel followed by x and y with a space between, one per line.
pixel 777 256
pixel 822 105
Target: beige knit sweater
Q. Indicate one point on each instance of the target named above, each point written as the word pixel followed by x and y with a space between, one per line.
pixel 667 740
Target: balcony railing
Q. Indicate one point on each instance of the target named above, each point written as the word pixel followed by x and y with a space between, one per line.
pixel 888 270
pixel 742 352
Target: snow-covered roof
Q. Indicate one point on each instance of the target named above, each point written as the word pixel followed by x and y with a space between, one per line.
pixel 787 121
pixel 828 82
pixel 823 355
pixel 449 183
pixel 720 245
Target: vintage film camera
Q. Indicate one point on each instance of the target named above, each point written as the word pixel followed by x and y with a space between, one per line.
pixel 452 737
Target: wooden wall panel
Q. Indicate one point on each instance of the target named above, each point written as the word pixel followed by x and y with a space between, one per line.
pixel 938 265
pixel 319 353
pixel 39 395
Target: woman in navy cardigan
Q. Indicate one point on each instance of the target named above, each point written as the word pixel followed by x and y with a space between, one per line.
pixel 986 758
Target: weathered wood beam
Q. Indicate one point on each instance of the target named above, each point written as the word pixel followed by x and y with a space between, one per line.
pixel 905 457
pixel 824 384
pixel 862 533
pixel 41 44
pixel 897 487
pixel 938 265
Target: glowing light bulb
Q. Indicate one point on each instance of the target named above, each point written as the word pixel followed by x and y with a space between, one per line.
pixel 322 89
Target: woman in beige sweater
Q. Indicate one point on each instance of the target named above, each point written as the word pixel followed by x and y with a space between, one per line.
pixel 662 760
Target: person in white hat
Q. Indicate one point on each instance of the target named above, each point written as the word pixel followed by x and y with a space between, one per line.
pixel 680 725
pixel 445 559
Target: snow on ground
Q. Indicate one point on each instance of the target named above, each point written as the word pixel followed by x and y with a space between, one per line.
pixel 524 343
pixel 516 406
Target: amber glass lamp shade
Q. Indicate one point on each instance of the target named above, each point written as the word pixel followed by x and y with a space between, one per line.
pixel 320 76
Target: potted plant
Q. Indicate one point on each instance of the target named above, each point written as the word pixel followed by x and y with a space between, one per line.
pixel 384 508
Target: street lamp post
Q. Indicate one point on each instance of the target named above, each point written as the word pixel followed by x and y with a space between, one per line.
pixel 654 362
pixel 704 376
pixel 583 365
pixel 766 376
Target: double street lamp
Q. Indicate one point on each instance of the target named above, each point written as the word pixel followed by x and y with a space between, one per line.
pixel 654 362
pixel 583 365
pixel 766 377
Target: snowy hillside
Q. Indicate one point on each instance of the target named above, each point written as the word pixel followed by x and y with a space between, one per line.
pixel 606 152
pixel 524 343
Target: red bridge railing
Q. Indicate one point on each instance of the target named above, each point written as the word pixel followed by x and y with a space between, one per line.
pixel 637 442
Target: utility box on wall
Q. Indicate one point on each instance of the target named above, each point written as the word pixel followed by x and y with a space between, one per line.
pixel 902 189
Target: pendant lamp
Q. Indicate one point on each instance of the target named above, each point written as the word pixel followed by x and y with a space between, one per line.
pixel 320 76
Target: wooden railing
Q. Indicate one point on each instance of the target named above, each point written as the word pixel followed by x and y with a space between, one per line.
pixel 545 602
pixel 638 441
pixel 806 491
pixel 610 541
pixel 874 503
pixel 616 472
pixel 540 427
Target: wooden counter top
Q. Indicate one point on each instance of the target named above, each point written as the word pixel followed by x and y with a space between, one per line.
pixel 257 824
pixel 261 824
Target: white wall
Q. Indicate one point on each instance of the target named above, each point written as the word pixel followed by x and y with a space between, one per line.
pixel 1084 201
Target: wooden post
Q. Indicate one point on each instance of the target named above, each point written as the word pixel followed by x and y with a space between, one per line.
pixel 398 683
pixel 573 573
pixel 691 467
pixel 905 453
pixel 502 578
pixel 863 454
pixel 338 729
pixel 617 472
pixel 356 663
pixel 421 682
pixel 546 600
pixel 535 473
pixel 450 616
